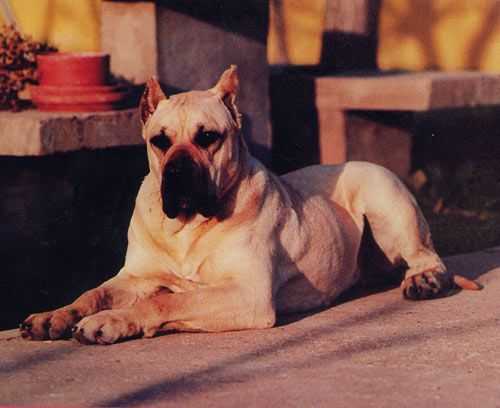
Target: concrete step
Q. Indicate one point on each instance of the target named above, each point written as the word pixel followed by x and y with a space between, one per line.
pixel 34 133
pixel 373 350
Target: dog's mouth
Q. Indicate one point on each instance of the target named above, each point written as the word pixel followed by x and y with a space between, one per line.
pixel 186 189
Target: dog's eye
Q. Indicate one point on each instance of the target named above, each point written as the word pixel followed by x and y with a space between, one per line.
pixel 162 142
pixel 205 139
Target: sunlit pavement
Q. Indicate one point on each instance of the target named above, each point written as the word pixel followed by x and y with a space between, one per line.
pixel 376 350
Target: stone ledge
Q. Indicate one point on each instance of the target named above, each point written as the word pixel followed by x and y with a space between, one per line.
pixel 419 91
pixel 34 133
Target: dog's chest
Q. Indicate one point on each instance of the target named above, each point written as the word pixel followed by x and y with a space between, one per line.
pixel 165 245
pixel 179 249
pixel 185 251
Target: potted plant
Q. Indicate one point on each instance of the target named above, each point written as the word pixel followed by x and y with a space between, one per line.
pixel 17 66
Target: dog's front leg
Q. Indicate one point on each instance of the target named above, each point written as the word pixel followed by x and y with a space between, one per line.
pixel 223 308
pixel 120 291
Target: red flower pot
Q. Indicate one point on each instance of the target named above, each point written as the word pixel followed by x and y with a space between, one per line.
pixel 73 69
pixel 81 98
pixel 77 82
pixel 76 90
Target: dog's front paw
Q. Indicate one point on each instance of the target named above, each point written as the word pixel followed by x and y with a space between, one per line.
pixel 106 327
pixel 428 285
pixel 50 325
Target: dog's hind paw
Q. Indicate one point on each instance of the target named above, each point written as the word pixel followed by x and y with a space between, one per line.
pixel 432 284
pixel 428 285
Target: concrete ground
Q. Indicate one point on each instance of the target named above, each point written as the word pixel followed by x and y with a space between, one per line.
pixel 374 350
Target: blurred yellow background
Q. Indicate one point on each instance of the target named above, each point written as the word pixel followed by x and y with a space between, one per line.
pixel 414 34
pixel 444 34
pixel 70 25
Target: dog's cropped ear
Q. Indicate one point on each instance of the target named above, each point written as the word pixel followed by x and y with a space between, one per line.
pixel 150 99
pixel 227 89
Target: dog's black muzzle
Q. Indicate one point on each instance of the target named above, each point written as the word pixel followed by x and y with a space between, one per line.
pixel 185 188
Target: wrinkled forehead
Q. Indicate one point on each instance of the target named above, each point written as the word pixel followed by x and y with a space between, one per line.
pixel 185 113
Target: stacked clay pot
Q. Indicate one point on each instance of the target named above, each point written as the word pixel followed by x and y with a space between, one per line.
pixel 76 82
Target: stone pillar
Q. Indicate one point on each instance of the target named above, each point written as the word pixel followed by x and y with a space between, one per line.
pixel 350 39
pixel 384 138
pixel 128 34
pixel 199 39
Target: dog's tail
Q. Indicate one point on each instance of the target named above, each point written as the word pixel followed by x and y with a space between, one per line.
pixel 467 284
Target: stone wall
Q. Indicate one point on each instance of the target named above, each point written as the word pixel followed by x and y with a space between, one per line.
pixel 63 222
pixel 189 44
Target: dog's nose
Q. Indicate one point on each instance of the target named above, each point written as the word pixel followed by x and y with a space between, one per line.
pixel 180 165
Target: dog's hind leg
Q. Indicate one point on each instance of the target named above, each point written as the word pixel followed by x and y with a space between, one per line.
pixel 402 233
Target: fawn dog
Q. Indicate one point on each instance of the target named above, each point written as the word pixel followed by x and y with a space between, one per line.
pixel 217 242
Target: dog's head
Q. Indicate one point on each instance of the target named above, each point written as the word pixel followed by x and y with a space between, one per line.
pixel 193 143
